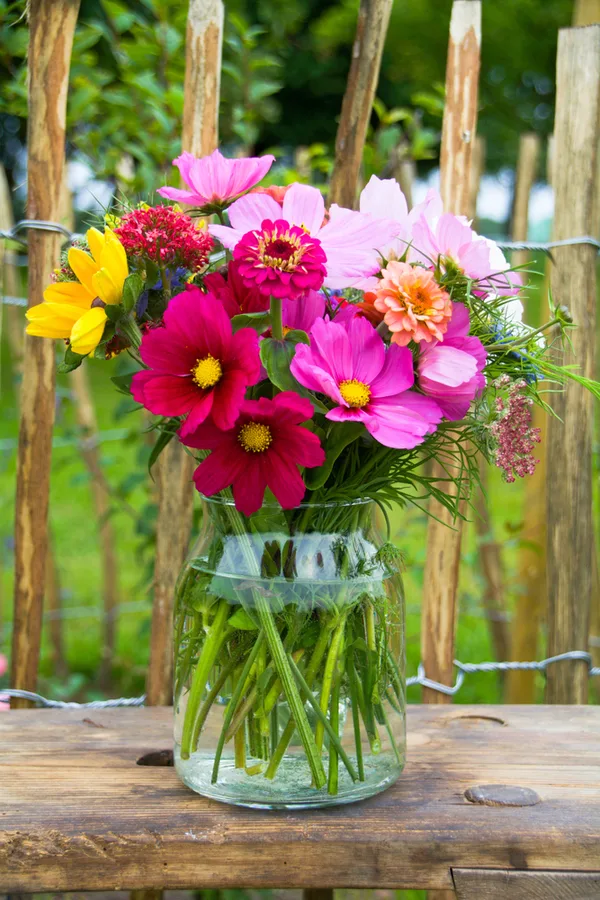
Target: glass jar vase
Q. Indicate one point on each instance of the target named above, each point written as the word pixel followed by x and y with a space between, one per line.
pixel 289 657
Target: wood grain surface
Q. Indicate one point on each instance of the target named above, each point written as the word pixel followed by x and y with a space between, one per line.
pixel 77 813
pixel 473 884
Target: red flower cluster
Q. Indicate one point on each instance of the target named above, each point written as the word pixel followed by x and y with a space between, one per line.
pixel 165 236
pixel 512 430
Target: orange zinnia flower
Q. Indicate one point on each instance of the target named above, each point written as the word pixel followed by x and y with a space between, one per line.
pixel 415 307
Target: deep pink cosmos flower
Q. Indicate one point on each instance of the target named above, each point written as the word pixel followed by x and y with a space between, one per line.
pixel 451 371
pixel 263 450
pixel 351 240
pixel 166 236
pixel 197 366
pixel 215 180
pixel 233 293
pixel 370 384
pixel 301 316
pixel 280 260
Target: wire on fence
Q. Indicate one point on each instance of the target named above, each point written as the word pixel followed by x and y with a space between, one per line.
pixel 420 678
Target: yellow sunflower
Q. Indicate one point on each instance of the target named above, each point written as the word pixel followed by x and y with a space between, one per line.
pixel 67 310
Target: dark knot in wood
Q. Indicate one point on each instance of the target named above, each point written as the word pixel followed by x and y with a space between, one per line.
pixel 501 795
pixel 157 758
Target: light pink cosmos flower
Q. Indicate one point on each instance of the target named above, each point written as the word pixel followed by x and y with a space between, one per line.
pixel 351 240
pixel 451 372
pixel 370 384
pixel 216 180
pixel 451 237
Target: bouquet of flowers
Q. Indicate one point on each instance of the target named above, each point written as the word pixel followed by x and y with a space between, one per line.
pixel 315 361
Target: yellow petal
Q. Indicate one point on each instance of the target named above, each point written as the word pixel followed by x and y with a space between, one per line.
pixel 96 242
pixel 69 292
pixel 114 259
pixel 87 331
pixel 83 265
pixel 105 287
pixel 52 320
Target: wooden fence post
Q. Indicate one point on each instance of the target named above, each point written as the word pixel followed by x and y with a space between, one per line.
pixel 440 583
pixel 175 466
pixel 51 29
pixel 530 602
pixel 573 280
pixel 371 29
pixel 10 286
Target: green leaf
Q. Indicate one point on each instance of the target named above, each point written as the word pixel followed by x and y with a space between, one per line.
pixel 163 439
pixel 114 312
pixel 260 321
pixel 123 382
pixel 342 435
pixel 132 288
pixel 276 357
pixel 241 619
pixel 71 361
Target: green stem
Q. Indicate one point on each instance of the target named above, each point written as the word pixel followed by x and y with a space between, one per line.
pixel 212 645
pixel 233 704
pixel 276 320
pixel 215 691
pixel 334 719
pixel 330 664
pixel 290 689
pixel 311 672
pixel 333 737
pixel 356 716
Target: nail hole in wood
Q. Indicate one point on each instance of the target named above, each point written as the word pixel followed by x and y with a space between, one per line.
pixel 156 758
pixel 474 719
pixel 501 795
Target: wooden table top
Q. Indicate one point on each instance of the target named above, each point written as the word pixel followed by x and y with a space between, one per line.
pixel 77 813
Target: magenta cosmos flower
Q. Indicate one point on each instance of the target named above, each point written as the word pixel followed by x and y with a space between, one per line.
pixel 370 384
pixel 197 366
pixel 280 260
pixel 215 180
pixel 350 240
pixel 263 450
pixel 451 371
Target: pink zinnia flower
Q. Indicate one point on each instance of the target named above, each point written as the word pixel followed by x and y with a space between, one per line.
pixel 415 307
pixel 263 450
pixel 233 293
pixel 166 236
pixel 351 240
pixel 197 366
pixel 369 384
pixel 451 372
pixel 280 260
pixel 214 181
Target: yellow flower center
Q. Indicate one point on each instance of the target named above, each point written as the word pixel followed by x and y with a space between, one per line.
pixel 281 251
pixel 255 437
pixel 355 393
pixel 207 372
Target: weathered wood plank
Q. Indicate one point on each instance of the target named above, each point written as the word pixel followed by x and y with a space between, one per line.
pixel 77 813
pixel 573 280
pixel 371 29
pixel 440 585
pixel 504 884
pixel 51 29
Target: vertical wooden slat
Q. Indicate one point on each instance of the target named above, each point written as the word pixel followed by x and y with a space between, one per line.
pixel 175 466
pixel 12 316
pixel 530 602
pixel 51 29
pixel 573 281
pixel 371 29
pixel 477 171
pixel 586 12
pixel 440 588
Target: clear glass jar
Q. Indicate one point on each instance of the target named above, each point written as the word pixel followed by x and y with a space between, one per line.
pixel 289 657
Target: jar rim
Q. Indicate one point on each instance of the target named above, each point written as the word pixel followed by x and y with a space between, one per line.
pixel 328 504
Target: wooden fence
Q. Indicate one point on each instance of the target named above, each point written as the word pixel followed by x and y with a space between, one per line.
pixel 571 551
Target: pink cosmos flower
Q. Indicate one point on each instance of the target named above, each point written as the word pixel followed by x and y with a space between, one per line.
pixel 214 181
pixel 263 450
pixel 415 307
pixel 280 260
pixel 302 316
pixel 452 238
pixel 451 372
pixel 350 240
pixel 233 293
pixel 197 366
pixel 370 384
pixel 4 704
